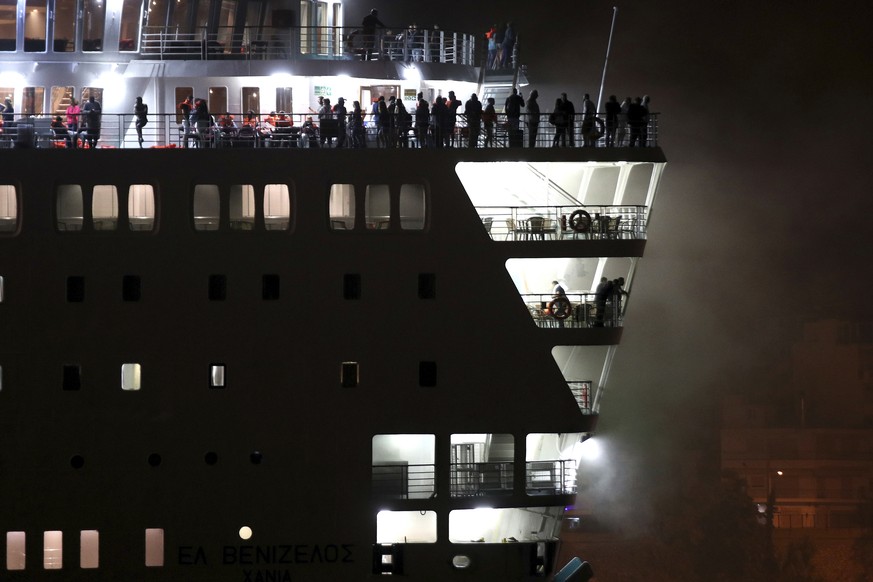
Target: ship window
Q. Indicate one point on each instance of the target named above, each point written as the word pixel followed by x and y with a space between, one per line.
pixel 104 207
pixel 89 548
pixel 72 377
pixel 77 461
pixel 60 100
pixel 1 378
pixel 8 18
pixel 128 34
pixel 461 562
pixel 426 286
pixel 154 547
pixel 131 377
pixel 245 532
pixel 217 101
pixel 15 550
pixel 349 374
pixel 154 460
pixel 65 26
pixel 53 550
pixel 398 527
pixel 378 207
pixel 95 18
pixel 284 99
pixel 217 287
pixel 251 99
pixel 270 288
pixel 427 374
pixel 8 207
pixel 342 207
pixel 75 289
pixel 403 466
pixel 352 286
pixel 97 92
pixel 141 207
pixel 1 288
pixel 182 93
pixel 216 376
pixel 131 288
pixel 412 207
pixel 35 26
pixel 207 207
pixel 70 209
pixel 277 207
pixel 33 100
pixel 180 17
pixel 242 207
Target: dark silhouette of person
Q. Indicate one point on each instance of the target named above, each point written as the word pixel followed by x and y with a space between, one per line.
pixel 439 114
pixel 507 46
pixel 422 119
pixel 341 114
pixel 93 116
pixel 369 25
pixel 560 120
pixel 489 117
pixel 644 134
pixel 512 109
pixel 473 111
pixel 60 130
pixel 141 113
pixel 8 111
pixel 589 127
pixel 403 124
pixel 453 103
pixel 601 295
pixel 613 110
pixel 359 136
pixel 533 118
pixel 636 120
pixel 570 113
pixel 558 292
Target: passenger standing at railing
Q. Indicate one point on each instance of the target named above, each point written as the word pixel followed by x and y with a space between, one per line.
pixel 453 104
pixel 141 113
pixel 371 21
pixel 473 111
pixel 359 137
pixel 622 122
pixel 8 111
pixel 636 119
pixel 186 107
pixel 203 123
pixel 507 45
pixel 512 109
pixel 491 36
pixel 325 118
pixel 601 295
pixel 93 117
pixel 613 110
pixel 73 111
pixel 533 118
pixel 558 118
pixel 558 292
pixel 489 117
pixel 438 116
pixel 341 114
pixel 403 123
pixel 589 127
pixel 422 119
pixel 570 113
pixel 644 138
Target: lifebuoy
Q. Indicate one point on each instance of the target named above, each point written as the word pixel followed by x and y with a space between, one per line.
pixel 560 307
pixel 580 221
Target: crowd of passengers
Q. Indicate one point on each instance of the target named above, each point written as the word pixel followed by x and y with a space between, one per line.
pixel 444 123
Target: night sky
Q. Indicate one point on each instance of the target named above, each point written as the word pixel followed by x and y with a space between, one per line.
pixel 764 213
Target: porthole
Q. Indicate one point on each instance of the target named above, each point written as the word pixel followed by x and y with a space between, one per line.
pixel 461 562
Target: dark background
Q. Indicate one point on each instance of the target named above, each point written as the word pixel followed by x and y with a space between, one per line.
pixel 763 217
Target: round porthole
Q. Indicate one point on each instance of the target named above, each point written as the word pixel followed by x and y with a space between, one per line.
pixel 461 562
pixel 211 458
pixel 245 532
pixel 256 457
pixel 154 459
pixel 77 461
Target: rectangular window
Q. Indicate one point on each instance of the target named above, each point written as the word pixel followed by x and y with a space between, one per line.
pixel 8 205
pixel 141 207
pixel 75 289
pixel 70 208
pixel 427 374
pixel 61 98
pixel 207 207
pixel 349 374
pixel 131 377
pixel 217 100
pixel 65 26
pixel 130 19
pixel 35 25
pixel 217 287
pixel 53 550
pixel 93 23
pixel 242 207
pixel 251 100
pixel 412 206
pixel 270 288
pixel 2 286
pixel 33 100
pixel 154 547
pixel 8 18
pixel 426 286
pixel 1 378
pixel 72 377
pixel 377 201
pixel 277 207
pixel 341 207
pixel 352 286
pixel 131 288
pixel 89 548
pixel 104 207
pixel 284 100
pixel 216 376
pixel 15 550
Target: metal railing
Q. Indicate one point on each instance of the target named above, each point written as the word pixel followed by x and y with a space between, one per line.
pixel 581 390
pixel 480 479
pixel 582 310
pixel 402 481
pixel 550 477
pixel 167 129
pixel 309 42
pixel 541 223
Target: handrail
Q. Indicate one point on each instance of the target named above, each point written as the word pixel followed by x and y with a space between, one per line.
pixel 603 221
pixel 586 310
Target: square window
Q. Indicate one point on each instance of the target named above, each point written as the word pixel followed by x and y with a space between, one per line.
pixel 131 288
pixel 75 289
pixel 427 374
pixel 352 286
pixel 349 374
pixel 131 377
pixel 72 377
pixel 217 287
pixel 426 286
pixel 216 376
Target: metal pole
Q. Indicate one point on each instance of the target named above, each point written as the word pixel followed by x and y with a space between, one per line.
pixel 606 58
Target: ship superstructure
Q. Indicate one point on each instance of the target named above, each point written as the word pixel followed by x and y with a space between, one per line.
pixel 297 363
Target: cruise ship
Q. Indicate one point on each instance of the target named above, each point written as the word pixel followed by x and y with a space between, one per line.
pixel 271 358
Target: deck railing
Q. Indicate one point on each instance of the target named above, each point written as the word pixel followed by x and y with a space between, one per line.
pixel 583 221
pixel 309 42
pixel 480 479
pixel 556 477
pixel 166 129
pixel 576 310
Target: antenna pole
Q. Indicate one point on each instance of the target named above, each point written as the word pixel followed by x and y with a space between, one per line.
pixel 606 58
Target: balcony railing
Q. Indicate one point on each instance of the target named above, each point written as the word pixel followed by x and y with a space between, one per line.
pixel 581 222
pixel 479 479
pixel 576 310
pixel 166 129
pixel 550 477
pixel 403 481
pixel 581 390
pixel 309 42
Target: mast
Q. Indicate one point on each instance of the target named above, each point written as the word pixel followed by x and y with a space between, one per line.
pixel 606 58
